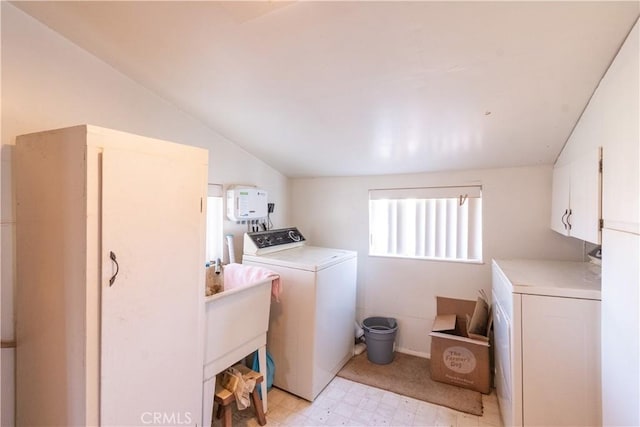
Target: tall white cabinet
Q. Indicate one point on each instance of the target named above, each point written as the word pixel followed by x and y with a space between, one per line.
pixel 612 120
pixel 109 298
pixel 547 342
pixel 621 240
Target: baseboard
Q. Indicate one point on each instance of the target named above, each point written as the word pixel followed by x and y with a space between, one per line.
pixel 413 352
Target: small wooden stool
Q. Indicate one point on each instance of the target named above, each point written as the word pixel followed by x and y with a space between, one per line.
pixel 224 398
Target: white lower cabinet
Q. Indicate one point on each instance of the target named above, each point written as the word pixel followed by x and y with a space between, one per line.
pixel 547 341
pixel 620 328
pixel 561 361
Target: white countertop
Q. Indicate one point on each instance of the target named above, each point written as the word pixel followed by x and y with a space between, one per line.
pixel 553 278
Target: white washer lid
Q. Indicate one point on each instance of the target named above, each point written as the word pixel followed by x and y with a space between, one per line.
pixel 310 258
pixel 570 279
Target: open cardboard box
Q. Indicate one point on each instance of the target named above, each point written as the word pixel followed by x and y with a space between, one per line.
pixel 458 356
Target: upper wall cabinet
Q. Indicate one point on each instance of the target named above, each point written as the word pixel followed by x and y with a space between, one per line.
pixel 621 185
pixel 576 197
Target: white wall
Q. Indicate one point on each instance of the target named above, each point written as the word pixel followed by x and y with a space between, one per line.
pixel 333 212
pixel 48 82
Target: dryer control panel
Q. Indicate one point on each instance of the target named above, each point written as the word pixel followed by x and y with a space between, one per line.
pixel 261 242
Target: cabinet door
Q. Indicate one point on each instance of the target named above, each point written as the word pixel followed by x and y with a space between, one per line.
pixel 560 361
pixel 151 336
pixel 575 198
pixel 560 199
pixel 620 328
pixel 621 185
pixel 585 192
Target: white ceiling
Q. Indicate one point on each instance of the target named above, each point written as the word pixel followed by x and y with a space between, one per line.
pixel 360 88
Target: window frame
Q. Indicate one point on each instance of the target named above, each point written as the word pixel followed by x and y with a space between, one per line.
pixel 404 238
pixel 214 191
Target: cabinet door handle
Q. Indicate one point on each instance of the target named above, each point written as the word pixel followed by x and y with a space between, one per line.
pixel 113 258
pixel 566 212
pixel 568 217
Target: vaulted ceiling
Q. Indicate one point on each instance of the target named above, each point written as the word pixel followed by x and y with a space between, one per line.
pixel 318 88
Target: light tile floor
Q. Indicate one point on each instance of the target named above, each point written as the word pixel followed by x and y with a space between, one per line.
pixel 347 403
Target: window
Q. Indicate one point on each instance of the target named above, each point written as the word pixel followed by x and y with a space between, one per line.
pixel 214 222
pixel 443 223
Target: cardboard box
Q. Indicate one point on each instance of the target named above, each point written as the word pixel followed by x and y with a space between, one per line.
pixel 459 357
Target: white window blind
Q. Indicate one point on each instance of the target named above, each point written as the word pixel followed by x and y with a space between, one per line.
pixel 432 223
pixel 214 237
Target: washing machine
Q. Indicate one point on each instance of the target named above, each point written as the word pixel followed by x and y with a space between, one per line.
pixel 310 333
